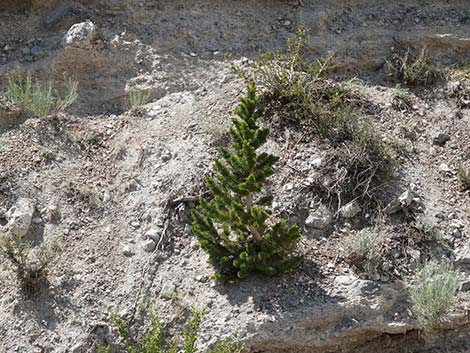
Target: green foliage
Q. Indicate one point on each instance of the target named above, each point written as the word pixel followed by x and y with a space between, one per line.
pixel 137 98
pixel 412 70
pixel 433 292
pixel 40 100
pixel 31 266
pixel 234 227
pixel 464 176
pixel 363 250
pixel 154 340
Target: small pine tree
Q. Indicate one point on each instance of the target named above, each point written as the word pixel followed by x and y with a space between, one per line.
pixel 234 227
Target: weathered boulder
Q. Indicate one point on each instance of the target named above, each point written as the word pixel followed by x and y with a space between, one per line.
pixel 20 216
pixel 80 35
pixel 319 218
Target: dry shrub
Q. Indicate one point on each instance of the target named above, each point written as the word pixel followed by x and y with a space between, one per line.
pixel 30 265
pixel 357 169
pixel 301 93
pixel 412 70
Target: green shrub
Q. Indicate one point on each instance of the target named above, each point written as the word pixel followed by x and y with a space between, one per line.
pixel 234 227
pixel 154 340
pixel 412 70
pixel 40 100
pixel 363 250
pixel 31 266
pixel 464 176
pixel 433 292
pixel 137 98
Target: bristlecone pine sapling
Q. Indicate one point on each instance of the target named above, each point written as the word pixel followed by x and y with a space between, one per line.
pixel 236 227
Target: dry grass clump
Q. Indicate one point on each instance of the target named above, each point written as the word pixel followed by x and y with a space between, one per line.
pixel 40 100
pixel 464 176
pixel 137 98
pixel 155 339
pixel 401 99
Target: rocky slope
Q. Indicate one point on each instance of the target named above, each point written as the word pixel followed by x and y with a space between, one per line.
pixel 121 198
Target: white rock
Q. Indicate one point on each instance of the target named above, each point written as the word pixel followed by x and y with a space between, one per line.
pixel 316 163
pixel 154 234
pixel 20 216
pixel 444 168
pixel 168 291
pixel 194 244
pixel 344 280
pixel 406 198
pixel 403 201
pixel 463 255
pixel 127 251
pixel 350 210
pixel 149 245
pixel 80 34
pixel 319 218
pixel 51 213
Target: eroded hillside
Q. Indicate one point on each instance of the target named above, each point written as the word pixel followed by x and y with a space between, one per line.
pixel 115 186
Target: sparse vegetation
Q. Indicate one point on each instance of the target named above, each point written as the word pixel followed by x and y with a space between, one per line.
pixel 362 249
pixel 48 154
pixel 154 340
pixel 137 98
pixel 86 138
pixel 31 266
pixel 40 100
pixel 433 292
pixel 412 70
pixel 423 231
pixel 235 227
pixel 401 99
pixel 464 176
pixel 301 92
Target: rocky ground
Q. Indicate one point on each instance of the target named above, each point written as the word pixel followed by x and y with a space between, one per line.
pixel 114 185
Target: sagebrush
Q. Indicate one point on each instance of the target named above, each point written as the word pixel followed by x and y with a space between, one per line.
pixel 363 250
pixel 236 227
pixel 433 293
